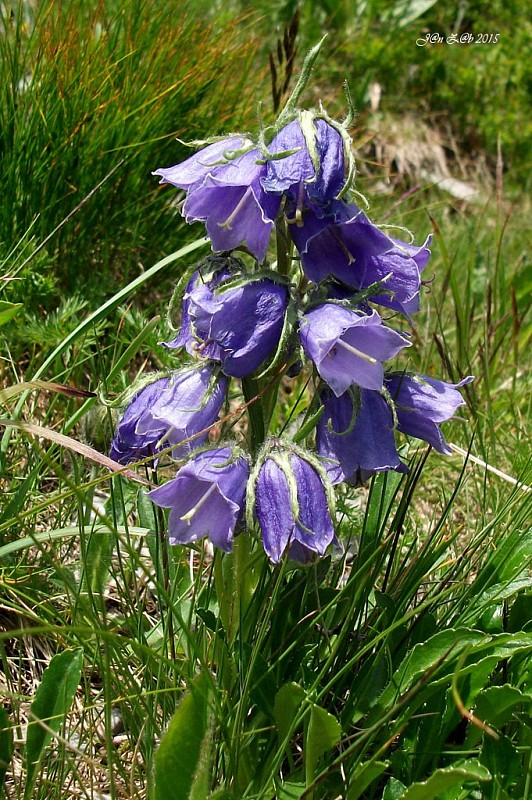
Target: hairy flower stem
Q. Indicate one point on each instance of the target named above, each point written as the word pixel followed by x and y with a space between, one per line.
pixel 283 249
pixel 163 543
pixel 250 388
pixel 291 105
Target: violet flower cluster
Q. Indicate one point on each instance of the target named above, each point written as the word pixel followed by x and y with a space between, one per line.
pixel 254 317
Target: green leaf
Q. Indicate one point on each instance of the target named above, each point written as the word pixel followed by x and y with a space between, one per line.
pixel 502 760
pixel 408 11
pixel 290 790
pixel 97 562
pixel 6 744
pixel 323 733
pixel 495 595
pixel 62 533
pixel 363 776
pixel 520 618
pixel 383 490
pixel 425 656
pixel 446 778
pixel 183 759
pixel 52 701
pixel 393 790
pixel 496 705
pixel 287 701
pixel 445 647
pixel 8 311
pixel 262 686
pixel 517 556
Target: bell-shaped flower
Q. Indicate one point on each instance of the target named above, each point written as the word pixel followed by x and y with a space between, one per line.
pixel 223 184
pixel 206 498
pixel 169 412
pixel 212 272
pixel 313 173
pixel 422 404
pixel 292 505
pixel 350 248
pixel 348 348
pixel 238 324
pixel 128 444
pixel 356 435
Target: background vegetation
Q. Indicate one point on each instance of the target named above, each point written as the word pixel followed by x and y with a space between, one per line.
pixel 398 670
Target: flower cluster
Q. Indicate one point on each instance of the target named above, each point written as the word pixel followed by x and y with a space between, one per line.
pixel 253 317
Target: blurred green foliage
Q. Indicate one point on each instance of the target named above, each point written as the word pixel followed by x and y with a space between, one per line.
pixel 92 98
pixel 481 91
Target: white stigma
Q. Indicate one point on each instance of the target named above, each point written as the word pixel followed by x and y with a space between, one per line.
pixel 356 352
pixel 188 516
pixel 241 203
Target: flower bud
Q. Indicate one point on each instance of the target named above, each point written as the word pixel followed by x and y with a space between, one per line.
pixel 291 501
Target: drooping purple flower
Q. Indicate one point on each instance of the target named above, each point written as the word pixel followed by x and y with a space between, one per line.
pixel 356 434
pixel 348 348
pixel 128 445
pixel 168 412
pixel 206 498
pixel 292 508
pixel 349 247
pixel 313 175
pixel 214 271
pixel 223 184
pixel 190 404
pixel 238 324
pixel 423 403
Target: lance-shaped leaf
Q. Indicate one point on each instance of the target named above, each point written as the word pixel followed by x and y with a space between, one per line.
pixel 182 762
pixel 50 707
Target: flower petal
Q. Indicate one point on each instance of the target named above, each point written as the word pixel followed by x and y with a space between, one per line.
pixel 358 440
pixel 347 347
pixel 423 403
pixel 202 164
pixel 245 323
pixel 206 498
pixel 273 509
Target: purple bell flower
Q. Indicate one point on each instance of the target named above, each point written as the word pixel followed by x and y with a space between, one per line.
pixel 223 184
pixel 348 348
pixel 292 508
pixel 356 434
pixel 240 325
pixel 169 411
pixel 306 182
pixel 204 276
pixel 422 404
pixel 353 250
pixel 128 445
pixel 206 498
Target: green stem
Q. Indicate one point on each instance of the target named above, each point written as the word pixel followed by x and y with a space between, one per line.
pixel 234 585
pixel 251 389
pixel 281 241
pixel 291 104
